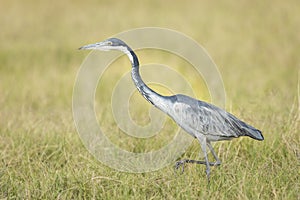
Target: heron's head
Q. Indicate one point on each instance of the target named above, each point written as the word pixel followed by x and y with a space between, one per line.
pixel 107 45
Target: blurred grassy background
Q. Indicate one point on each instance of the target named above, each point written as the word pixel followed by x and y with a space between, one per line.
pixel 255 44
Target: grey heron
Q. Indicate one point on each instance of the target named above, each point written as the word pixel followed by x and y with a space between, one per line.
pixel 202 120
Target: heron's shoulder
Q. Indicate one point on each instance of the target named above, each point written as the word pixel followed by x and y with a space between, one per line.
pixel 180 98
pixel 192 102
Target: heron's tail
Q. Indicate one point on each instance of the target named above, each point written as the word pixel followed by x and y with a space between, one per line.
pixel 246 129
pixel 254 133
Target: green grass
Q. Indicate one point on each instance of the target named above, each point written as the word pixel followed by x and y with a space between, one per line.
pixel 256 46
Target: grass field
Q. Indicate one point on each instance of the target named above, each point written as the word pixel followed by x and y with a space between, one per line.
pixel 255 44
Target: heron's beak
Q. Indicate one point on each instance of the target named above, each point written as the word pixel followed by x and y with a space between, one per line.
pixel 89 46
pixel 103 46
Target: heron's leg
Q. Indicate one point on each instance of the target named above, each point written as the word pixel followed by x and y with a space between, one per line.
pixel 203 143
pixel 182 162
pixel 218 162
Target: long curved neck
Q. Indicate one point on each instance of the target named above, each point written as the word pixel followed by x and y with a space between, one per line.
pixel 150 95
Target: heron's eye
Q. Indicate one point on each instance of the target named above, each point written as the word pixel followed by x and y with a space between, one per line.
pixel 109 43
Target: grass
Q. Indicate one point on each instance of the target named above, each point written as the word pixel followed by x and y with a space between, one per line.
pixel 256 46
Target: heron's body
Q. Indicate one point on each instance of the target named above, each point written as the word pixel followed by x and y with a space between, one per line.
pixel 202 120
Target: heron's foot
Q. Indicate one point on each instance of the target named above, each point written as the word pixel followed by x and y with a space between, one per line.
pixel 182 163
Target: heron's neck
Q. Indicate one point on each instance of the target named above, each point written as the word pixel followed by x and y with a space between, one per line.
pixel 151 96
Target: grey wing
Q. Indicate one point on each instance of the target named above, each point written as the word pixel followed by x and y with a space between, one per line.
pixel 214 122
pixel 200 117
